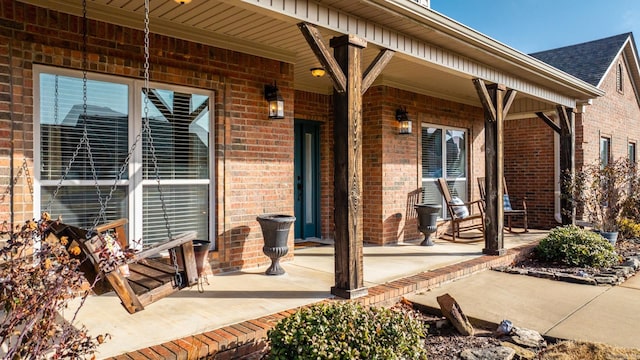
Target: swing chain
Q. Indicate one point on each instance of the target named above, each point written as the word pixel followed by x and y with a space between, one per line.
pixel 152 149
pixel 85 133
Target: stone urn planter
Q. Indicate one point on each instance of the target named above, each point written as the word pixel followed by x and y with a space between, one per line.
pixel 275 231
pixel 427 221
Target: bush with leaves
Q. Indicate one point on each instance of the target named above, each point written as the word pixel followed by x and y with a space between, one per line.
pixel 36 284
pixel 573 246
pixel 347 330
pixel 629 229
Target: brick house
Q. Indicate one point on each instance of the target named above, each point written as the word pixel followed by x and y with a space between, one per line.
pixel 607 127
pixel 221 160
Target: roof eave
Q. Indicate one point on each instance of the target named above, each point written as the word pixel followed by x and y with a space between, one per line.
pixel 502 52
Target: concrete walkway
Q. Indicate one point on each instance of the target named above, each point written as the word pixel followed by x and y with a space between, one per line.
pixel 236 309
pixel 558 309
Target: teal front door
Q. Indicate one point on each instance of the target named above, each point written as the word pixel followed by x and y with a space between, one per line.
pixel 307 179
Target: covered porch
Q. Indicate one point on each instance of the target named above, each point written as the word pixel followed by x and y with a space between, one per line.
pixel 236 303
pixel 408 57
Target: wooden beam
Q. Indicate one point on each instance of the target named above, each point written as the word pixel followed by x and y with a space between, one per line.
pixel 485 99
pixel 548 121
pixel 314 39
pixel 348 175
pixel 567 162
pixel 508 101
pixel 494 99
pixel 562 115
pixel 375 68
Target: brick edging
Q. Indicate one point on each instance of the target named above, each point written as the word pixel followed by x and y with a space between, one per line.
pixel 248 337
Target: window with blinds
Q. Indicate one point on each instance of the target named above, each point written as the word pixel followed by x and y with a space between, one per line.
pixel 76 172
pixel 444 154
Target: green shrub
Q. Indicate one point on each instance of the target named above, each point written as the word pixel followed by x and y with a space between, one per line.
pixel 629 229
pixel 347 330
pixel 574 246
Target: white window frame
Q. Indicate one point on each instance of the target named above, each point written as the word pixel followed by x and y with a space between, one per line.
pixel 135 182
pixel 465 179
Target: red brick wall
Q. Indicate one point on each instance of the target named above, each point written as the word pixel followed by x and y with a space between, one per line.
pixel 529 169
pixel 391 162
pixel 253 155
pixel 615 115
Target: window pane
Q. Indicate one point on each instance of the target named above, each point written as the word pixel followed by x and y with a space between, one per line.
pixel 187 208
pixel 79 205
pixel 605 151
pixel 180 132
pixel 431 195
pixel 632 153
pixel 431 153
pixel 456 154
pixel 453 155
pixel 458 189
pixel 63 120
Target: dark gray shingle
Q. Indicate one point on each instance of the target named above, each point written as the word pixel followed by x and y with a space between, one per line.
pixel 587 61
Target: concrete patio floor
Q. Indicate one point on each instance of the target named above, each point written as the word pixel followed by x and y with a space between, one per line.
pixel 235 297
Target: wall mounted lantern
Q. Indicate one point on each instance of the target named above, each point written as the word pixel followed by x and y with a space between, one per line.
pixel 403 118
pixel 317 72
pixel 275 100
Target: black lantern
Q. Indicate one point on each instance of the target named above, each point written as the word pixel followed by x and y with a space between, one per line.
pixel 275 101
pixel 403 118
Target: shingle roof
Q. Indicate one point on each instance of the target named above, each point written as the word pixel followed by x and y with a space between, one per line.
pixel 587 61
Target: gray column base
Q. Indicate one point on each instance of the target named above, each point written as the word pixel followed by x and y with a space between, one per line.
pixel 349 294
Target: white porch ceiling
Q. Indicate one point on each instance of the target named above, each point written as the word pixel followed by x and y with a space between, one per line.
pixel 252 26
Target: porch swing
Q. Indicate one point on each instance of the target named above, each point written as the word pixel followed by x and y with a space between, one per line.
pixel 138 278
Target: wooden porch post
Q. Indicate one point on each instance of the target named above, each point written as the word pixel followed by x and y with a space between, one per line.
pixel 347 133
pixel 496 101
pixel 567 157
pixel 349 85
pixel 567 161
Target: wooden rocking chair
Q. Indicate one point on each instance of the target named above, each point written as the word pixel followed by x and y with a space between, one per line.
pixel 461 218
pixel 509 211
pixel 138 278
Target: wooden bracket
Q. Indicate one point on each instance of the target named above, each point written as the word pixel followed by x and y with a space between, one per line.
pixel 548 121
pixel 485 98
pixel 562 114
pixel 314 39
pixel 375 68
pixel 508 101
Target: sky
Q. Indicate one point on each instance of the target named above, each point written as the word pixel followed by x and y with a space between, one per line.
pixel 535 25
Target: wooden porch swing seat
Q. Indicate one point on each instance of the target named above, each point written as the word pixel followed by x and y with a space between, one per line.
pixel 149 278
pixel 138 278
pixel 462 219
pixel 509 211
